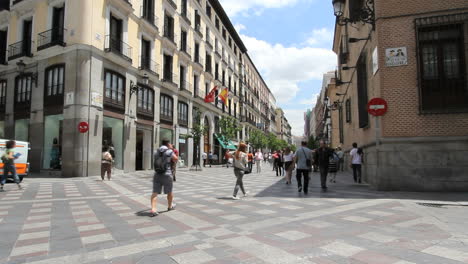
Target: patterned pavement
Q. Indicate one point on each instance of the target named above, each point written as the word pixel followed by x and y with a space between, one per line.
pixel 84 220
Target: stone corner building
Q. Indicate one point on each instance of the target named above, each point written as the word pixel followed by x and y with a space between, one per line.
pixel 63 62
pixel 416 59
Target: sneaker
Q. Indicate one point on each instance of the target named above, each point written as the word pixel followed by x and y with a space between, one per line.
pixel 299 189
pixel 235 198
pixel 246 194
pixel 172 207
pixel 1 189
pixel 19 187
pixel 153 213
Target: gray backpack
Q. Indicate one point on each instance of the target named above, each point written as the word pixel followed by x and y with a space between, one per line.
pixel 161 161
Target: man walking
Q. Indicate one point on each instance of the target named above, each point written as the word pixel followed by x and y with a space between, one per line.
pixel 303 159
pixel 163 176
pixel 356 162
pixel 210 158
pixel 204 157
pixel 340 154
pixel 322 159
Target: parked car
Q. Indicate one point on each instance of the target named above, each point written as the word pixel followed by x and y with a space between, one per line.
pixel 21 163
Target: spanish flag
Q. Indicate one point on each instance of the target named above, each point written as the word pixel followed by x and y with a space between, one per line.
pixel 223 95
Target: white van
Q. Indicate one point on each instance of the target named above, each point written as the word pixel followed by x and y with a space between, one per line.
pixel 21 163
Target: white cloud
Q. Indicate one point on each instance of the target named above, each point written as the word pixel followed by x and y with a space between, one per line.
pixel 234 7
pixel 239 27
pixel 283 68
pixel 310 102
pixel 322 37
pixel 296 120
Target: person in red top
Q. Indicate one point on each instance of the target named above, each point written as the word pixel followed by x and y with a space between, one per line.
pixel 227 155
pixel 250 157
pixel 174 164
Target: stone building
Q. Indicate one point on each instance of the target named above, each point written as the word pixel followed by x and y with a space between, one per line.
pixel 134 70
pixel 413 54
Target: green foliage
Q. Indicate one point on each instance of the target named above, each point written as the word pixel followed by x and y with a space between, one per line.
pixel 229 127
pixel 258 139
pixel 312 142
pixel 271 141
pixel 293 147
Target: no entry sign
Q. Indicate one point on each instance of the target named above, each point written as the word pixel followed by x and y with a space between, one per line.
pixel 83 127
pixel 377 107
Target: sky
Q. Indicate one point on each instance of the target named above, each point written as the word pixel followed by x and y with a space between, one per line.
pixel 290 43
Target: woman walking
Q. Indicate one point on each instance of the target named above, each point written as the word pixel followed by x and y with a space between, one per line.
pixel 240 166
pixel 8 160
pixel 106 163
pixel 258 160
pixel 279 163
pixel 288 164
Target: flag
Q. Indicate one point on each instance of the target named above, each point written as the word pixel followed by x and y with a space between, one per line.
pixel 210 97
pixel 223 95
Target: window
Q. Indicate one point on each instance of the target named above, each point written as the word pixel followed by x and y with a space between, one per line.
pixel 208 10
pixel 207 88
pixel 223 77
pixel 116 32
pixel 208 63
pixel 145 54
pixel 235 88
pixel 3 89
pixel 224 33
pixel 183 8
pixel 355 7
pixel 235 109
pixel 182 114
pixel 197 52
pixel 167 75
pixel 183 40
pixel 344 53
pixel 217 23
pixel 216 71
pixel 148 10
pixel 197 21
pixel 167 105
pixel 169 27
pixel 442 60
pixel 229 83
pixel 348 110
pixel 230 43
pixel 23 90
pixel 3 46
pixel 54 80
pixel 362 92
pixel 195 85
pixel 114 93
pixel 145 103
pixel 340 117
pixel 183 83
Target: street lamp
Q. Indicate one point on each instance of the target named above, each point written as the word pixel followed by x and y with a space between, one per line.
pixel 366 14
pixel 135 87
pixel 21 69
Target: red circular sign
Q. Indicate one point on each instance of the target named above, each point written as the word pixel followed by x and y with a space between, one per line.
pixel 83 127
pixel 377 107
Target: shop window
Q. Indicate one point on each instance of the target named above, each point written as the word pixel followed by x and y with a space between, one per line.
pixel 182 114
pixel 114 86
pixel 167 106
pixel 53 125
pixel 112 135
pixel 145 105
pixel 23 86
pixel 442 59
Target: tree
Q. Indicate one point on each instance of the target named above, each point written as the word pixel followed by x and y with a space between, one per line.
pixel 271 141
pixel 312 142
pixel 258 139
pixel 229 127
pixel 196 133
pixel 293 147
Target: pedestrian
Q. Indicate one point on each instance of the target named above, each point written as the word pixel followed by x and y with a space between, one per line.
pixel 340 154
pixel 106 163
pixel 112 150
pixel 303 160
pixel 289 165
pixel 174 164
pixel 163 176
pixel 215 159
pixel 240 168
pixel 265 157
pixel 274 156
pixel 8 159
pixel 333 166
pixel 258 160
pixel 226 158
pixel 279 163
pixel 322 160
pixel 356 162
pixel 250 158
pixel 204 157
pixel 210 158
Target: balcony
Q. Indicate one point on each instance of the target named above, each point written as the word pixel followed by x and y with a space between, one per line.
pixel 51 38
pixel 146 63
pixel 169 35
pixel 208 42
pixel 182 122
pixel 150 17
pixel 19 49
pixel 166 118
pixel 186 50
pixel 118 47
pixel 185 16
pixel 170 77
pixel 184 86
pixel 198 30
pixel 173 4
pixel 199 61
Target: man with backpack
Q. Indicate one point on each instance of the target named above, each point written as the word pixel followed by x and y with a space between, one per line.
pixel 163 176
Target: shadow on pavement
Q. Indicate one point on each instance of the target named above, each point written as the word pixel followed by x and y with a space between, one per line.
pixel 345 188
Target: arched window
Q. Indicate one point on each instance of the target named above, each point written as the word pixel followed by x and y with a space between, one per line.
pixel 167 108
pixel 182 114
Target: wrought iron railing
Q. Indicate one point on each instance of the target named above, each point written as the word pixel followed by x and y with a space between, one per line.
pixel 187 50
pixel 119 47
pixel 170 77
pixel 52 37
pixel 185 86
pixel 209 41
pixel 146 63
pixel 19 49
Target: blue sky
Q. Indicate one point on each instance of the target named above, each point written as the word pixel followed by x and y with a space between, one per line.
pixel 290 42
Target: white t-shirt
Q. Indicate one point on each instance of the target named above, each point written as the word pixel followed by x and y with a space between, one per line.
pixel 258 156
pixel 288 157
pixel 355 157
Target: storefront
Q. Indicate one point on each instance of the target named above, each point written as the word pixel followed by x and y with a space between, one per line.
pixel 112 135
pixel 53 125
pixel 183 151
pixel 165 133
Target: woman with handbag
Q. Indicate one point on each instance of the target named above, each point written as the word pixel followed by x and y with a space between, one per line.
pixel 240 168
pixel 288 164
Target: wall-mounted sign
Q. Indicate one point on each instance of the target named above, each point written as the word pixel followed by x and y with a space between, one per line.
pixel 96 99
pixel 70 98
pixel 396 57
pixel 83 127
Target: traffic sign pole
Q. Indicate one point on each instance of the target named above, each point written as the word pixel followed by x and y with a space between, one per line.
pixel 377 107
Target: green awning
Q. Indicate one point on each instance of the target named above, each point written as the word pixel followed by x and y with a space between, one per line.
pixel 225 144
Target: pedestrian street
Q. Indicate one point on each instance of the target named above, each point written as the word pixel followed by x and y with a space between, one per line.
pixel 84 220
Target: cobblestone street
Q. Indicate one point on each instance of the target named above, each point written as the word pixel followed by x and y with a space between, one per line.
pixel 84 220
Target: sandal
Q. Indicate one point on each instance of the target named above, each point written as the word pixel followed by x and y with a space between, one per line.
pixel 153 213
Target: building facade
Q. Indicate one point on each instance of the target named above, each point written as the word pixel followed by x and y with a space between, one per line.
pixel 413 55
pixel 135 71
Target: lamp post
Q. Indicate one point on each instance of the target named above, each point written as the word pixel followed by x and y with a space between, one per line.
pixel 365 14
pixel 135 87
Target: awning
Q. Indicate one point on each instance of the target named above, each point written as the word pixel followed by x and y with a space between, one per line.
pixel 225 144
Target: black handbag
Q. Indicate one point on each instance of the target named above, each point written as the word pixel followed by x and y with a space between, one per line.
pixel 308 161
